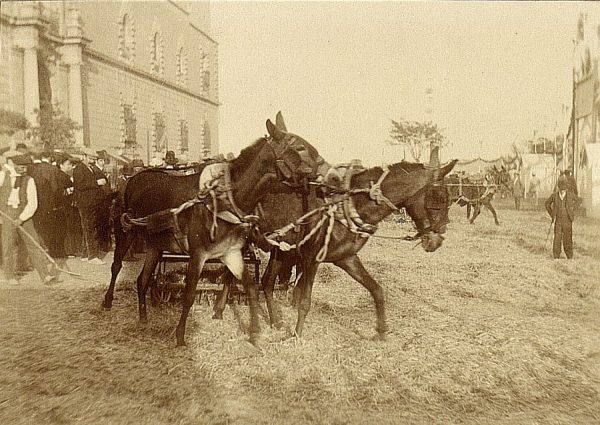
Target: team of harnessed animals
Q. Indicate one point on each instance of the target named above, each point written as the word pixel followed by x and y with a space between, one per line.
pixel 282 196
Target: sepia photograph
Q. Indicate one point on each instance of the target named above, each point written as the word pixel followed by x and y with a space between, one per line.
pixel 299 212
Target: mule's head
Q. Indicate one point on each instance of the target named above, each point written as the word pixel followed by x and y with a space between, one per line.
pixel 297 160
pixel 429 204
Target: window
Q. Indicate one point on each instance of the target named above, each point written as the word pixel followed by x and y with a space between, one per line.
pixel 158 131
pixel 156 54
pixel 129 126
pixel 205 73
pixel 183 135
pixel 126 39
pixel 181 67
pixel 206 131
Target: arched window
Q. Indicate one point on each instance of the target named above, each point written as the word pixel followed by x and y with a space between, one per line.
pixel 207 141
pixel 126 38
pixel 183 135
pixel 156 54
pixel 205 72
pixel 181 66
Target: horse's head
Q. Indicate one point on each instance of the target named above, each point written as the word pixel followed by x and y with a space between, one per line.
pixel 428 204
pixel 501 177
pixel 297 160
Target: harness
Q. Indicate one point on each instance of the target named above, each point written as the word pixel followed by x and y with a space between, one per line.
pixel 215 192
pixel 338 207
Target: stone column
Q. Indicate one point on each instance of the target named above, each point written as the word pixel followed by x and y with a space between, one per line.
pixel 73 56
pixel 31 88
pixel 26 38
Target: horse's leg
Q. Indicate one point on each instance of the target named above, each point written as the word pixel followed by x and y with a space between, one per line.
pixel 489 206
pixel 468 211
pixel 195 266
pixel 354 267
pixel 152 257
pixel 228 280
pixel 305 285
pixel 268 284
pixel 476 212
pixel 235 263
pixel 122 243
pixel 285 270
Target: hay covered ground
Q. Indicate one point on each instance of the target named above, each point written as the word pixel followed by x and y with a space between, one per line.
pixel 487 330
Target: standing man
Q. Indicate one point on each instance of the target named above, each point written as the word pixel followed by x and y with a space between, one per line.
pixel 45 176
pixel 104 234
pixel 561 207
pixel 572 184
pixel 18 203
pixel 518 191
pixel 534 190
pixel 89 195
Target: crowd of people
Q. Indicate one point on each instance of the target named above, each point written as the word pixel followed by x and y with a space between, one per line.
pixel 55 206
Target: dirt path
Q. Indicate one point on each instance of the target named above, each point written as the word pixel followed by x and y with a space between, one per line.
pixel 487 330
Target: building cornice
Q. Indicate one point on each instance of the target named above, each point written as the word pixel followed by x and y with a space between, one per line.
pixel 208 37
pixel 179 7
pixel 140 73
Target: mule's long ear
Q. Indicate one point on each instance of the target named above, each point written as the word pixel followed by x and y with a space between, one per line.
pixel 274 132
pixel 447 168
pixel 279 123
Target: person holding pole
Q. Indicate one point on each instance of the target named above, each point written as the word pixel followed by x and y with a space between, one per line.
pixel 561 207
pixel 18 203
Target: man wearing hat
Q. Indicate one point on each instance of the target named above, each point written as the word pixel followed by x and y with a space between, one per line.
pixel 18 204
pixel 561 207
pixel 71 234
pixel 170 161
pixel 518 191
pixel 45 176
pixel 89 196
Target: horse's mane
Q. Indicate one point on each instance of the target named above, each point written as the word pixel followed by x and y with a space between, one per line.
pixel 247 156
pixel 407 167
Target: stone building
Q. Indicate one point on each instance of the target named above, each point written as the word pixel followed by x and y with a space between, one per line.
pixel 583 153
pixel 140 77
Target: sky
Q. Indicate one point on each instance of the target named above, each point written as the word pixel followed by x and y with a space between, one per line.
pixel 341 71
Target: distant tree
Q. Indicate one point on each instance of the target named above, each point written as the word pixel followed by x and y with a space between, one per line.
pixel 416 136
pixel 11 122
pixel 57 132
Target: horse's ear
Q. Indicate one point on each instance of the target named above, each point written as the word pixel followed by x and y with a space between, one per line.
pixel 279 123
pixel 274 132
pixel 447 168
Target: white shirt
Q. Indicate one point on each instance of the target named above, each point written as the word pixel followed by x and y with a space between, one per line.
pixel 13 198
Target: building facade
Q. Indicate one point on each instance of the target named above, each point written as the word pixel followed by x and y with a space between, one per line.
pixel 140 77
pixel 582 151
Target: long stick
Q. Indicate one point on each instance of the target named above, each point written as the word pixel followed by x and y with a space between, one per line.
pixel 548 234
pixel 36 244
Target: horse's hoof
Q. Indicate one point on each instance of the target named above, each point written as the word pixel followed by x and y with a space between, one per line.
pixel 277 325
pixel 379 337
pixel 106 306
pixel 253 339
pixel 218 315
pixel 180 344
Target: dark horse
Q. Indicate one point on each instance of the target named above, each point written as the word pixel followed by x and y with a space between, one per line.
pixel 406 186
pixel 502 179
pixel 472 194
pixel 253 174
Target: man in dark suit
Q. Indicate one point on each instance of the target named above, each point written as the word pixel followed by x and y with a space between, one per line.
pixel 88 183
pixel 561 207
pixel 45 176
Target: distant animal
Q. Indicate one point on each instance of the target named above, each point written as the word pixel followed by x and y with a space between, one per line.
pixel 473 194
pixel 502 179
pixel 152 197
